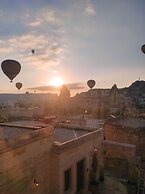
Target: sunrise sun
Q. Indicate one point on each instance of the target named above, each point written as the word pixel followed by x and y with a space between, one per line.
pixel 56 81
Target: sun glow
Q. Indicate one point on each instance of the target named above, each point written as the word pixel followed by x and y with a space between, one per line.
pixel 56 81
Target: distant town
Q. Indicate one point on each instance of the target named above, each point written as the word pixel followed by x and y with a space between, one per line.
pixel 97 103
pixel 90 143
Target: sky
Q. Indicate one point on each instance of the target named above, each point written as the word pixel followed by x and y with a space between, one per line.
pixel 74 41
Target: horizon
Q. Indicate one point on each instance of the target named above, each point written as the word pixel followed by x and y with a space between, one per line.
pixel 72 94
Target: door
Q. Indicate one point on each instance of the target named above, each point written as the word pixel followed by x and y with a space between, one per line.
pixel 80 175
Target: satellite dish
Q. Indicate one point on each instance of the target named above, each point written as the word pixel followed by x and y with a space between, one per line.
pixel 91 83
pixel 11 68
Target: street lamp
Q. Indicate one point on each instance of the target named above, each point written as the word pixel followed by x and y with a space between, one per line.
pixel 36 183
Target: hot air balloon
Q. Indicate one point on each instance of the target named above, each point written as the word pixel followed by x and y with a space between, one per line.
pixel 33 51
pixel 11 68
pixel 19 85
pixel 143 48
pixel 91 83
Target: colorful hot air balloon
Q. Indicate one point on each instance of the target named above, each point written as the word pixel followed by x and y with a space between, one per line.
pixel 11 68
pixel 143 48
pixel 91 83
pixel 19 85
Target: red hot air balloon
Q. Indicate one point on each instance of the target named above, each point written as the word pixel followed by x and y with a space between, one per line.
pixel 11 68
pixel 91 83
pixel 143 48
pixel 19 85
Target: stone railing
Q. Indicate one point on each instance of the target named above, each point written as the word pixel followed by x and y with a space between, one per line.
pixel 59 146
pixel 75 127
pixel 25 138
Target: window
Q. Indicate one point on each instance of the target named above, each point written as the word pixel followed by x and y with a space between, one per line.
pixel 80 175
pixel 67 179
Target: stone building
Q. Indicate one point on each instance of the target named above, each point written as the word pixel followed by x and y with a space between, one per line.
pixel 24 159
pixel 21 112
pixel 37 158
pixel 124 144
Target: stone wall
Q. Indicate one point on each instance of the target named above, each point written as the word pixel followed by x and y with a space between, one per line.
pixel 119 150
pixel 127 135
pixel 66 155
pixel 21 112
pixel 35 156
pixel 74 122
pixel 21 163
pixel 120 160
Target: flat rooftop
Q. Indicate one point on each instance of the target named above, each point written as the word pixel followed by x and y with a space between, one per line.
pixel 17 128
pixel 26 123
pixel 129 122
pixel 94 123
pixel 65 134
pixel 7 132
pixel 61 134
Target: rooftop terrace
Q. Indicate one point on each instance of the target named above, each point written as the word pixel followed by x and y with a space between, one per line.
pixel 18 128
pixel 65 134
pixel 128 122
pixel 7 132
pixel 62 133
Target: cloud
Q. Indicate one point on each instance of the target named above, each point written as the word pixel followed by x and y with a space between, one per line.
pixel 6 50
pixel 35 23
pixel 40 30
pixel 50 17
pixel 90 9
pixel 41 18
pixel 44 88
pixel 70 86
pixel 54 71
pixel 75 86
pixel 47 50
